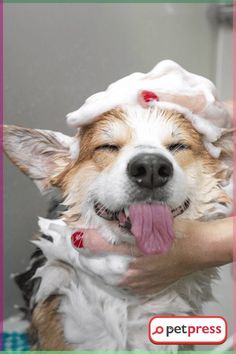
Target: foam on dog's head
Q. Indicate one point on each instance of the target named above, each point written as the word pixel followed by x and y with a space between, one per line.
pixel 172 84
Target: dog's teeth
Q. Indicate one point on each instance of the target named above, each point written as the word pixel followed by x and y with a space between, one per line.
pixel 126 210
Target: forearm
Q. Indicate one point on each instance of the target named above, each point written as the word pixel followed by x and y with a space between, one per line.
pixel 220 241
pixel 197 246
pixel 208 244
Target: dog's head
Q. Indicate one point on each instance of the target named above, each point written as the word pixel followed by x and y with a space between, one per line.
pixel 131 160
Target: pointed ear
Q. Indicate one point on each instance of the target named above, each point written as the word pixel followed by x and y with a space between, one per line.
pixel 40 154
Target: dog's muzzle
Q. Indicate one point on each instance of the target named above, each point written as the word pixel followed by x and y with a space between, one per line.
pixel 149 218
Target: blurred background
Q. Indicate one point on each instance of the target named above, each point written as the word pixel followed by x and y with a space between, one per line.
pixel 56 55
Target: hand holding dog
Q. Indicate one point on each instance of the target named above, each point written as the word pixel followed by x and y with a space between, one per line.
pixel 197 246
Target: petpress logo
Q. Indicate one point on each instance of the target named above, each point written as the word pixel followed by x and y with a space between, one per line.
pixel 187 330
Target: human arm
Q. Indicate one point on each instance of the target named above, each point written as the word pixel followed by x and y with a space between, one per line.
pixel 197 246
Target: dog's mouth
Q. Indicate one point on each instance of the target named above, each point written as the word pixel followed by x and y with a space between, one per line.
pixel 150 223
pixel 122 215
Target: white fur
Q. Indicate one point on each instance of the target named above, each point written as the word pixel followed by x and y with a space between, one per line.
pixel 96 313
pixel 113 188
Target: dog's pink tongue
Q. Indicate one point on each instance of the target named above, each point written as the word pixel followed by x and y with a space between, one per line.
pixel 152 227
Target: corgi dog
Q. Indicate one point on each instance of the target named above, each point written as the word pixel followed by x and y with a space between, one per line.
pixel 133 162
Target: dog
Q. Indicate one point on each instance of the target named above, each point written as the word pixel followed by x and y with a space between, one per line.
pixel 131 159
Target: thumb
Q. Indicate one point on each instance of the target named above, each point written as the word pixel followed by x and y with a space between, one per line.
pixel 96 244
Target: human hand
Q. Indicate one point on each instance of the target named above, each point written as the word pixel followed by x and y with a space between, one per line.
pixel 197 246
pixel 148 274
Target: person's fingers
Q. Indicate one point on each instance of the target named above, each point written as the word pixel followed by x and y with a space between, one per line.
pixel 196 104
pixel 137 285
pixel 96 244
pixel 147 290
pixel 149 263
pixel 145 282
pixel 132 276
pixel 148 286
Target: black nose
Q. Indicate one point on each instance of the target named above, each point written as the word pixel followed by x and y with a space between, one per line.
pixel 150 170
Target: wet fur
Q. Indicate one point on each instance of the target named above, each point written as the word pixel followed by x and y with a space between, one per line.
pixel 94 302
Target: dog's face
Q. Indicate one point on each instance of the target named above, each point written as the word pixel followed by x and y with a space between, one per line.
pixel 130 156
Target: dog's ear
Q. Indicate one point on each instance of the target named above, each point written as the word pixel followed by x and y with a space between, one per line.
pixel 226 143
pixel 227 139
pixel 40 154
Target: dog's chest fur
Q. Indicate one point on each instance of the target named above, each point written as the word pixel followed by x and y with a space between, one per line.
pixel 97 319
pixel 95 316
pixel 93 313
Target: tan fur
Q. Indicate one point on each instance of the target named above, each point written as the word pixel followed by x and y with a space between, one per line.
pixel 189 136
pixel 92 137
pixel 74 178
pixel 47 326
pixel 92 160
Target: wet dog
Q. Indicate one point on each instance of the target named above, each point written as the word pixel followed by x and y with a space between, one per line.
pixel 133 162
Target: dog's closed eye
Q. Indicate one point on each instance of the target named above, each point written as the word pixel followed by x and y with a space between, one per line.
pixel 108 147
pixel 178 147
